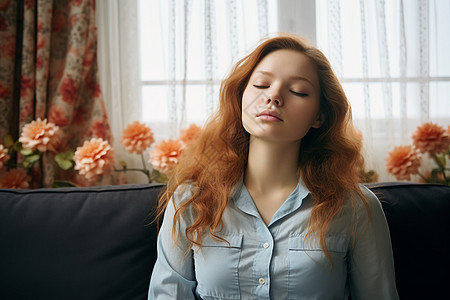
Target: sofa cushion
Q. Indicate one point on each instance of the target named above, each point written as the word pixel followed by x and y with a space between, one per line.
pixel 418 216
pixel 77 243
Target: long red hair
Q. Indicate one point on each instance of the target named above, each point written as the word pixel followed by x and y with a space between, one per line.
pixel 329 156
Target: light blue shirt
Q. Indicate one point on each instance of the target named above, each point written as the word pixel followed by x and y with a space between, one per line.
pixel 275 261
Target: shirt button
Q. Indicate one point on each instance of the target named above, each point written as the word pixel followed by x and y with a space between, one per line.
pixel 261 281
pixel 266 245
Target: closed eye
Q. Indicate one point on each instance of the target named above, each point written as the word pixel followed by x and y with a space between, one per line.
pixel 299 94
pixel 261 86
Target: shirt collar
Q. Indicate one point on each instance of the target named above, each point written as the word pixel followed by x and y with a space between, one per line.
pixel 243 200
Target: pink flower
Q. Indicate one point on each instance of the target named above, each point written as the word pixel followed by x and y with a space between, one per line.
pixel 191 134
pixel 57 115
pixel 402 162
pixel 4 157
pixel 26 86
pixel 99 129
pixel 69 90
pixel 431 138
pixel 94 158
pixel 8 46
pixel 14 179
pixel 165 155
pixel 137 137
pixel 40 135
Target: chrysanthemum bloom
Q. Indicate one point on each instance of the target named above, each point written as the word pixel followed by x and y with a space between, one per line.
pixel 165 155
pixel 14 179
pixel 137 137
pixel 94 158
pixel 40 135
pixel 4 157
pixel 402 162
pixel 191 134
pixel 431 138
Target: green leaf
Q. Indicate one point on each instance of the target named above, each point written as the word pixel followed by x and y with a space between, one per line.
pixel 157 176
pixel 123 164
pixel 64 160
pixel 8 141
pixel 25 151
pixel 68 155
pixel 64 164
pixel 32 159
pixel 62 183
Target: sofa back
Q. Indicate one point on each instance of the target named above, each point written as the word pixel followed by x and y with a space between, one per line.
pixel 77 243
pixel 99 242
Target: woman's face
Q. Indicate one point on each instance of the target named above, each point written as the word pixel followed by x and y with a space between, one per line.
pixel 281 101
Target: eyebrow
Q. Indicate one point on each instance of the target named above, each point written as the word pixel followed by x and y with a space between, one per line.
pixel 292 77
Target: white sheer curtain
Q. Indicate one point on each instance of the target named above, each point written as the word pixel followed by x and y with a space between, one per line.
pixel 118 60
pixel 392 58
pixel 161 61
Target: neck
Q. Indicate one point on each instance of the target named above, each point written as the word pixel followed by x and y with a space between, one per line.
pixel 271 165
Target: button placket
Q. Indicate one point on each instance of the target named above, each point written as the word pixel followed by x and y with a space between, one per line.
pixel 262 262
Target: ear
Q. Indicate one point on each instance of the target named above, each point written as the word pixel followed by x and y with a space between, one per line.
pixel 318 121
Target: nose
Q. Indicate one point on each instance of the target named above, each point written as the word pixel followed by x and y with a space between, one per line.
pixel 274 97
pixel 275 101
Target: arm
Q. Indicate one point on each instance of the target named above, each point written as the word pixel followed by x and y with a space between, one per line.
pixel 371 264
pixel 173 275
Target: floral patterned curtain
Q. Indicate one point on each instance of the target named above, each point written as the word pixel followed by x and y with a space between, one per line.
pixel 48 69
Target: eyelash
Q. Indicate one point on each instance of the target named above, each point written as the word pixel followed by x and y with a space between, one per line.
pixel 299 94
pixel 295 93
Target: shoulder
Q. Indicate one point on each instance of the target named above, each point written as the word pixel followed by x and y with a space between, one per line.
pixel 179 204
pixel 183 193
pixel 358 208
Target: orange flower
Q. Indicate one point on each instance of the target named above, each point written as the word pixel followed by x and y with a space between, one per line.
pixel 402 162
pixel 166 154
pixel 94 158
pixel 191 134
pixel 40 135
pixel 14 179
pixel 431 138
pixel 137 137
pixel 4 157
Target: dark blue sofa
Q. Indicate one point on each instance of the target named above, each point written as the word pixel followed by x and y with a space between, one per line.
pixel 99 242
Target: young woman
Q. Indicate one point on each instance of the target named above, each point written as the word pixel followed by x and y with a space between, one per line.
pixel 266 204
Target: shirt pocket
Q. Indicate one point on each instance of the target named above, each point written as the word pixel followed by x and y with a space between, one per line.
pixel 310 271
pixel 217 268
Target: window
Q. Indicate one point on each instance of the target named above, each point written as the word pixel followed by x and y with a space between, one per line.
pixel 177 61
pixel 391 57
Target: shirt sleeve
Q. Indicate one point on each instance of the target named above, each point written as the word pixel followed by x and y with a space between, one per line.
pixel 371 263
pixel 173 275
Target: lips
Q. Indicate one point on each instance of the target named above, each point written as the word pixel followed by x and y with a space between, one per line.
pixel 269 115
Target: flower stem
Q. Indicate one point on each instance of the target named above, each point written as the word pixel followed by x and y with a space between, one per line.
pixel 132 169
pixel 441 167
pixel 421 176
pixel 143 162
